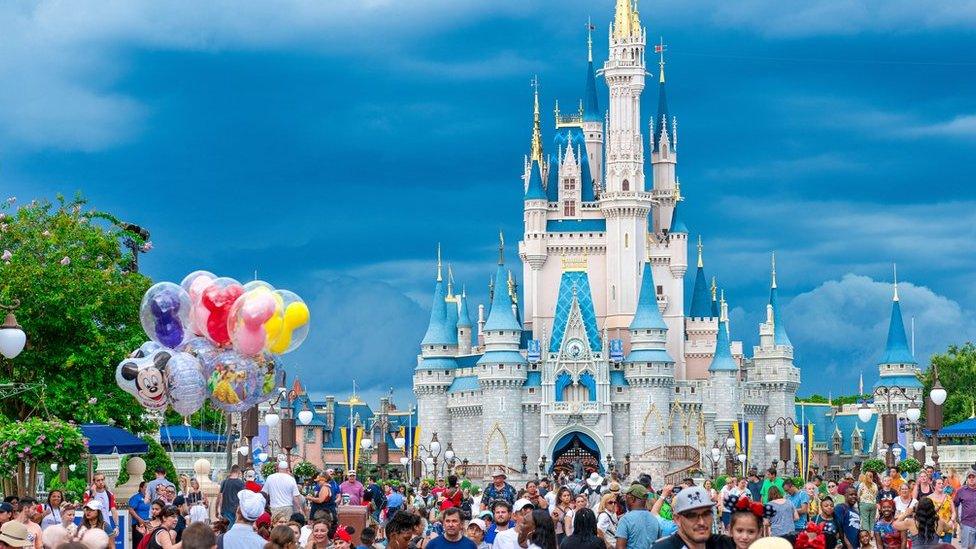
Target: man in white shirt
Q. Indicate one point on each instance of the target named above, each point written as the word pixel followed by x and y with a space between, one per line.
pixel 508 539
pixel 283 495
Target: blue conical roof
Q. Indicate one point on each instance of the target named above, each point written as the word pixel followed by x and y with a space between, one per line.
pixel 677 223
pixel 896 350
pixel 464 319
pixel 661 122
pixel 501 316
pixel 591 108
pixel 779 327
pixel 451 320
pixel 535 191
pixel 700 306
pixel 552 177
pixel 438 333
pixel 648 315
pixel 722 361
pixel 715 310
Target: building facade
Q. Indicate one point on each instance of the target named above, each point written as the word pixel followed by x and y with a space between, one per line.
pixel 599 360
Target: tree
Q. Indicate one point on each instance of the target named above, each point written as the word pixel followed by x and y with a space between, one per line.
pixel 836 401
pixel 79 305
pixel 155 457
pixel 957 373
pixel 28 444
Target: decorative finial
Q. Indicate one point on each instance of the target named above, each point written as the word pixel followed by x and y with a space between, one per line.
pixel 536 126
pixel 450 281
pixel 464 291
pixel 439 278
pixel 501 248
pixel 589 39
pixel 774 271
pixel 677 190
pixel 714 289
pixel 724 309
pixel 894 267
pixel 659 49
pixel 700 262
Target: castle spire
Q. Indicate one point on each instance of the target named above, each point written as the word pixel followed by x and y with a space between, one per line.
pixel 536 155
pixel 779 328
pixel 773 285
pixel 438 332
pixel 662 101
pixel 715 311
pixel 700 307
pixel 589 39
pixel 591 107
pixel 501 317
pixel 439 278
pixel 626 20
pixel 501 248
pixel 450 282
pixel 700 262
pixel 894 267
pixel 896 348
pixel 722 360
pixel 648 315
pixel 659 49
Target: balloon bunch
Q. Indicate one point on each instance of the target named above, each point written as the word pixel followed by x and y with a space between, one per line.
pixel 212 337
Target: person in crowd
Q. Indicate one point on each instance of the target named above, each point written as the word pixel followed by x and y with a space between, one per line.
pixel 282 491
pixel 499 488
pixel 637 528
pixel 942 500
pixel 400 529
pixel 771 480
pixel 68 519
pixel 243 534
pixel 139 509
pixel 160 480
pixel 754 485
pixel 394 502
pixel 562 513
pixel 923 486
pixel 319 538
pixel 537 531
pixel 321 496
pixel 693 515
pixel 227 497
pixel 263 525
pixel 281 537
pixel 52 509
pixel 867 497
pixel 965 500
pixel 296 528
pixel 304 529
pixel 28 516
pixel 606 520
pixel 92 525
pixel 745 520
pixel 800 499
pixel 509 539
pixel 453 536
pixel 352 488
pixel 110 513
pixel 833 494
pixel 785 516
pixel 729 489
pixel 13 534
pixel 475 531
pixel 849 519
pixel 195 495
pixel 922 526
pixel 844 484
pixel 367 540
pixel 885 534
pixel 378 497
pixel 164 535
pixel 904 502
pixel 198 536
pixel 533 494
pixel 886 491
pixel 251 481
pixel 895 478
pixel 586 535
pixel 6 512
pixel 220 525
pixel 501 520
pixel 866 540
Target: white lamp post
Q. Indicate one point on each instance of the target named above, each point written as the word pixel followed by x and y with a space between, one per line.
pixel 305 417
pixel 12 336
pixel 271 419
pixel 864 413
pixel 913 414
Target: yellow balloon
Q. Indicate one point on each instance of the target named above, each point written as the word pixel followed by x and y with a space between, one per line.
pixel 296 315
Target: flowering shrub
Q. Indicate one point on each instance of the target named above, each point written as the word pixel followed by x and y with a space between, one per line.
pixel 305 470
pixel 35 441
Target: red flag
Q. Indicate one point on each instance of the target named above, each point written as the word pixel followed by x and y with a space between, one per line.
pixel 658 48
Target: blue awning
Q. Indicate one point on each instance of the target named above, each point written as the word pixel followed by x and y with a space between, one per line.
pixel 106 439
pixel 965 428
pixel 180 434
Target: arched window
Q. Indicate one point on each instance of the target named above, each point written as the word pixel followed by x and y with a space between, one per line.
pixel 626 185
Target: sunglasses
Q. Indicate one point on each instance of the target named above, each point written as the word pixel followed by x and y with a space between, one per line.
pixel 699 516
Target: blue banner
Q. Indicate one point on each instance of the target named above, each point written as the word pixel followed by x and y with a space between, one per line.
pixel 535 351
pixel 616 350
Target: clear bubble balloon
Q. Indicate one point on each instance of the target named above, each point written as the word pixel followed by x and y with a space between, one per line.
pixel 165 314
pixel 234 378
pixel 215 302
pixel 146 349
pixel 187 386
pixel 255 284
pixel 194 284
pixel 205 351
pixel 286 331
pixel 248 317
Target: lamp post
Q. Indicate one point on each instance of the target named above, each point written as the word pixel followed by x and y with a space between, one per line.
pixel 611 464
pixel 627 465
pixel 542 466
pixel 785 443
pixel 525 459
pixel 12 336
pixel 713 456
pixel 933 412
pixel 431 452
pixel 889 419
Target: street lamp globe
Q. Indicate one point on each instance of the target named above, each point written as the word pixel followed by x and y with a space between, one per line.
pixel 449 455
pixel 54 467
pixel 913 414
pixel 72 467
pixel 13 338
pixel 366 443
pixel 243 450
pixel 404 461
pixel 730 443
pixel 770 437
pixel 864 413
pixel 263 456
pixel 435 447
pixel 716 453
pixel 799 438
pixel 271 419
pixel 937 394
pixel 742 458
pixel 399 441
pixel 305 417
pixel 918 445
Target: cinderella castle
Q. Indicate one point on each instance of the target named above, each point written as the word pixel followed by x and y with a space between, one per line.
pixel 602 361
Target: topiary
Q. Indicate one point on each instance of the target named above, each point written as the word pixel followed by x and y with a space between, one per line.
pixel 154 458
pixel 268 468
pixel 305 470
pixel 910 466
pixel 874 465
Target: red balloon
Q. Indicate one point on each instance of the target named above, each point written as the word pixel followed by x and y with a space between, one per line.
pixel 219 301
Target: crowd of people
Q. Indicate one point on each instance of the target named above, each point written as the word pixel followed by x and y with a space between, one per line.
pixel 885 511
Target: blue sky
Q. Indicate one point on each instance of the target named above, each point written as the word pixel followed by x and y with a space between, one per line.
pixel 329 146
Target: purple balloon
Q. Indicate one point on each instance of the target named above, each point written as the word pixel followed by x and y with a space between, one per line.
pixel 165 308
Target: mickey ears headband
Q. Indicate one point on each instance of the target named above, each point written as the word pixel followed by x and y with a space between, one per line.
pixel 742 504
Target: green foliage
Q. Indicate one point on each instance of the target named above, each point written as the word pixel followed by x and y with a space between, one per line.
pixel 836 400
pixel 957 373
pixel 305 470
pixel 875 465
pixel 798 482
pixel 73 489
pixel 208 419
pixel 268 468
pixel 720 482
pixel 155 457
pixel 910 466
pixel 79 307
pixel 39 441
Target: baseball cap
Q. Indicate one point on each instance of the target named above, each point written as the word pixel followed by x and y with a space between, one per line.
pixel 486 514
pixel 637 490
pixel 94 504
pixel 251 504
pixel 479 523
pixel 522 504
pixel 14 533
pixel 6 508
pixel 692 498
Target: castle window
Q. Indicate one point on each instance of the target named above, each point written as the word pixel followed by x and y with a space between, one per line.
pixel 677 389
pixel 626 185
pixel 569 184
pixel 569 208
pixel 620 389
pixel 692 390
pixel 613 292
pixel 660 289
pixel 309 435
pixel 531 390
pixel 626 240
pixel 501 366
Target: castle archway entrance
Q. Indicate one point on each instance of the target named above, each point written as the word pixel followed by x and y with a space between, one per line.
pixel 577 455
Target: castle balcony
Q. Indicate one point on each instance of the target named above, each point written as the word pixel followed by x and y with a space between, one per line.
pixel 585 413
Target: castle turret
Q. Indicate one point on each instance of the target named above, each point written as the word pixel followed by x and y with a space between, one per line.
pixel 898 367
pixel 501 373
pixel 532 249
pixel 464 325
pixel 724 375
pixel 701 326
pixel 436 363
pixel 648 369
pixel 664 153
pixel 592 117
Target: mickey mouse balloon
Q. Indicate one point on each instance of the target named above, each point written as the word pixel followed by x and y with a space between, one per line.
pixel 215 302
pixel 165 314
pixel 145 378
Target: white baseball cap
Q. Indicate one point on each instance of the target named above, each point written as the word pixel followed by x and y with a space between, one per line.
pixel 479 523
pixel 692 498
pixel 522 504
pixel 251 504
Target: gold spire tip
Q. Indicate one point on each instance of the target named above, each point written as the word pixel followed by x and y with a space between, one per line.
pixel 714 289
pixel 536 125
